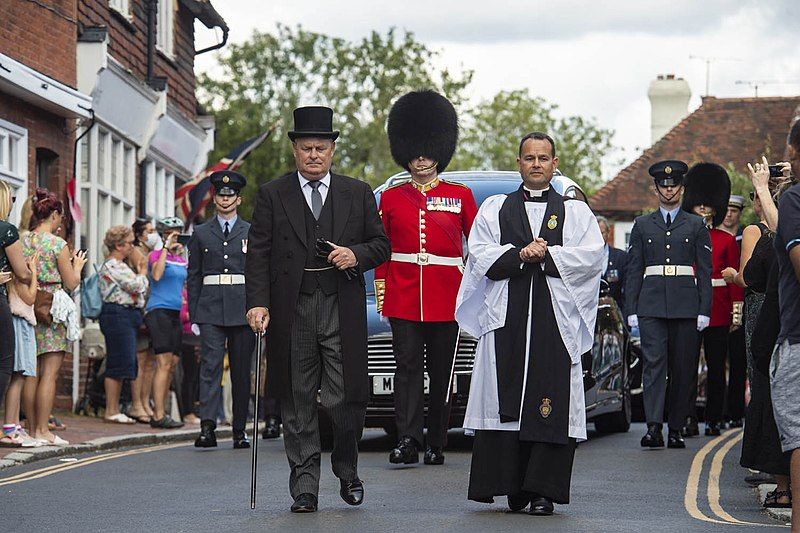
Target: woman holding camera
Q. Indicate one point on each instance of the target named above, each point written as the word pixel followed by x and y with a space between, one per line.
pixel 168 272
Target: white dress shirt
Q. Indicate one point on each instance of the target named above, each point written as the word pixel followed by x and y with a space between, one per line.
pixel 325 184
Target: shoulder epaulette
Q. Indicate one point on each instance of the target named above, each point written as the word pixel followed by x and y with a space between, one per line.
pixel 453 183
pixel 397 184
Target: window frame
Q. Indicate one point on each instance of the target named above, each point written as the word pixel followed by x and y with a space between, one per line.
pixel 165 28
pixel 17 153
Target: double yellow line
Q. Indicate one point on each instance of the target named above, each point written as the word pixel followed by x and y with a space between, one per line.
pixel 690 499
pixel 56 469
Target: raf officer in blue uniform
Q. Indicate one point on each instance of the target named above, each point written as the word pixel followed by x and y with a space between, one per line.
pixel 217 251
pixel 668 297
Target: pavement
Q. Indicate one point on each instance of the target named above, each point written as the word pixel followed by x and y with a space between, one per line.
pixel 175 487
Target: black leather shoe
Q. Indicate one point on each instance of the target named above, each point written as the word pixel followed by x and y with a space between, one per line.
pixel 207 438
pixel 240 440
pixel 305 503
pixel 653 438
pixel 352 492
pixel 733 424
pixel 518 502
pixel 433 456
pixel 273 428
pixel 406 452
pixel 690 429
pixel 541 506
pixel 674 439
pixel 712 429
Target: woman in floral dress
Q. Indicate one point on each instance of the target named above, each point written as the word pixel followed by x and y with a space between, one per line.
pixel 58 269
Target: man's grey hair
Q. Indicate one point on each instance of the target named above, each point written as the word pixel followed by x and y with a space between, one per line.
pixel 604 220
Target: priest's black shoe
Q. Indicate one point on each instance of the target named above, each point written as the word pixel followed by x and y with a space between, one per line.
pixel 518 502
pixel 240 440
pixel 207 438
pixel 352 492
pixel 434 456
pixel 541 506
pixel 305 503
pixel 736 423
pixel 690 429
pixel 653 438
pixel 712 429
pixel 674 439
pixel 272 429
pixel 406 452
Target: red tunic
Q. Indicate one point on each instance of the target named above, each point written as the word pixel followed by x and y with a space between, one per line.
pixel 724 254
pixel 429 222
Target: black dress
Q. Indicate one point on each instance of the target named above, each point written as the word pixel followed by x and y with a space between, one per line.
pixel 8 236
pixel 761 448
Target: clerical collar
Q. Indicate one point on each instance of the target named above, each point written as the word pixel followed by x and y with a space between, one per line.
pixel 535 195
pixel 428 186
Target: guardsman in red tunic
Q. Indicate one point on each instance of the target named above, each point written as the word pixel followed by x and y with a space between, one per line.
pixel 426 220
pixel 707 191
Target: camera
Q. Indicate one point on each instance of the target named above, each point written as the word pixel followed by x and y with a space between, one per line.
pixel 775 171
pixel 183 239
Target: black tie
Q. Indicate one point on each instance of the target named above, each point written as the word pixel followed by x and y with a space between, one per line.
pixel 316 198
pixel 669 219
pixel 227 231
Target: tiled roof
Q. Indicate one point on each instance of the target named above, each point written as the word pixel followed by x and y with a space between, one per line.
pixel 721 130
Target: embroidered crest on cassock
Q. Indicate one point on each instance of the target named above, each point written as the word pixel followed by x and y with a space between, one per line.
pixel 545 409
pixel 553 222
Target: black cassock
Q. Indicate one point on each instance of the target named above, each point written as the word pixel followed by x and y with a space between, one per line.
pixel 538 458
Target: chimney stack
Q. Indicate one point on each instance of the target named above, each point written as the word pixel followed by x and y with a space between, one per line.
pixel 669 103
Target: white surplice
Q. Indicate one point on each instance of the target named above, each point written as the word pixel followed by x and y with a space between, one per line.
pixel 482 304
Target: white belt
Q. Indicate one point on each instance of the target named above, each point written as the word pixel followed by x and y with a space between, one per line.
pixel 718 282
pixel 669 270
pixel 423 259
pixel 224 279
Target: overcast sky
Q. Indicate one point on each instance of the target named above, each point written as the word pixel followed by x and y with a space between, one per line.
pixel 591 58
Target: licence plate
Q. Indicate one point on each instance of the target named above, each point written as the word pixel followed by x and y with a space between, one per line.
pixel 383 384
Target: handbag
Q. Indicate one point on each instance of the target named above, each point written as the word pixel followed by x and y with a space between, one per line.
pixel 42 306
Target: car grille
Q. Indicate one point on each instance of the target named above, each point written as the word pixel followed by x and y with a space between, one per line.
pixel 381 355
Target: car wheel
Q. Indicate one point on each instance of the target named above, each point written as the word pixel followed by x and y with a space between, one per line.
pixel 619 422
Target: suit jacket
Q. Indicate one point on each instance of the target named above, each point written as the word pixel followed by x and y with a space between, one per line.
pixel 615 275
pixel 685 242
pixel 274 270
pixel 211 253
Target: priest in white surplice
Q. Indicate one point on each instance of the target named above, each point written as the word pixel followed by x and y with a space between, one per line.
pixel 529 293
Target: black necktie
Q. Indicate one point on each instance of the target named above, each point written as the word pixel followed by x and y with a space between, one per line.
pixel 227 231
pixel 669 219
pixel 316 198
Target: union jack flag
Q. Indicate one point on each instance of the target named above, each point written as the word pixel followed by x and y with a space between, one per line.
pixel 193 196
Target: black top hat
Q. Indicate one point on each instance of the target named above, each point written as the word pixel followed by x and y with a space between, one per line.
pixel 668 173
pixel 227 182
pixel 708 184
pixel 313 121
pixel 423 123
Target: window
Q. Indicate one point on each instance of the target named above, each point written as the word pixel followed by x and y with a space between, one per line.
pixel 45 166
pixel 160 191
pixel 121 6
pixel 14 163
pixel 108 186
pixel 164 30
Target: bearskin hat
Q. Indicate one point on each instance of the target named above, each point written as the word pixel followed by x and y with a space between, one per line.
pixel 707 184
pixel 423 123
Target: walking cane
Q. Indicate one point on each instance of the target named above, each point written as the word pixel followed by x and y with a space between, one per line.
pixel 254 457
pixel 452 372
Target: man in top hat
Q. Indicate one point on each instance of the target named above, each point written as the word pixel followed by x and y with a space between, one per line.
pixel 425 220
pixel 668 297
pixel 737 360
pixel 313 236
pixel 708 189
pixel 217 252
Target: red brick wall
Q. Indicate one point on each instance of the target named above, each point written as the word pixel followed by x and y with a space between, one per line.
pixel 127 43
pixel 41 38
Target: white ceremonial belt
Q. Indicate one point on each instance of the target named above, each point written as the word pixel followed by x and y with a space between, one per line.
pixel 669 270
pixel 718 282
pixel 423 259
pixel 224 279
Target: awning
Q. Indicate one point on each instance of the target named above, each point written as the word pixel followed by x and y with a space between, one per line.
pixel 42 91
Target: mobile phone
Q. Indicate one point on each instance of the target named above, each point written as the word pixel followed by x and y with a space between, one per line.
pixel 775 171
pixel 84 250
pixel 184 239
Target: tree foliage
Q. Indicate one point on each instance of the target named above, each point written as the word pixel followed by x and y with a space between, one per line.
pixel 264 78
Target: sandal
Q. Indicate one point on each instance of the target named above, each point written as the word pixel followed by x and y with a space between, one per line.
pixel 119 418
pixel 771 500
pixel 54 424
pixel 11 441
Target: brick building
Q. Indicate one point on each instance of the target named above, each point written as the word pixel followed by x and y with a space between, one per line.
pixel 105 87
pixel 722 130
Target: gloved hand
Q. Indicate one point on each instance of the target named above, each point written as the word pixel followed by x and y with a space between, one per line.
pixel 702 322
pixel 633 321
pixel 196 330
